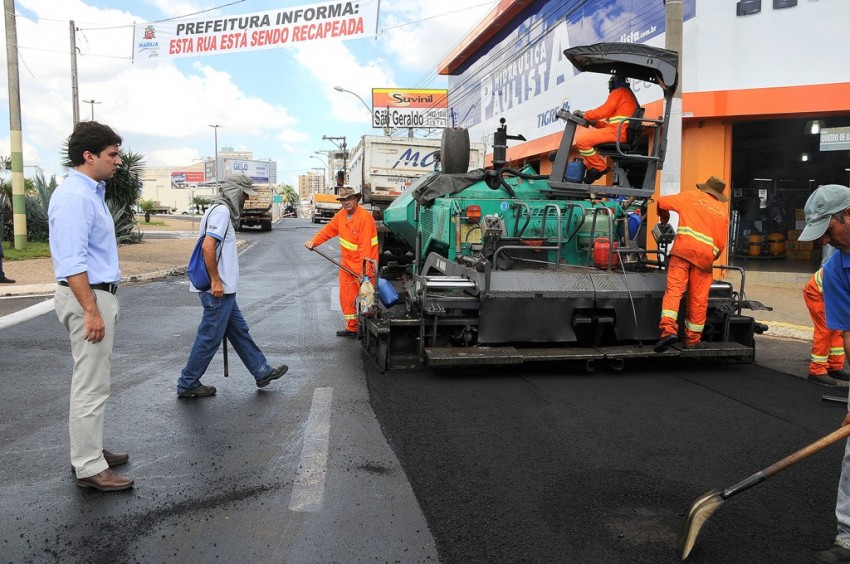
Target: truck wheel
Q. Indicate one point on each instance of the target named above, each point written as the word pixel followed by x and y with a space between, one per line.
pixel 266 226
pixel 454 150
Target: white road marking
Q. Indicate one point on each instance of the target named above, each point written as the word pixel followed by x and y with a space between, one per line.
pixel 308 489
pixel 25 314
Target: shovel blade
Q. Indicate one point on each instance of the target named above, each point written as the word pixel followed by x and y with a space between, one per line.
pixel 700 511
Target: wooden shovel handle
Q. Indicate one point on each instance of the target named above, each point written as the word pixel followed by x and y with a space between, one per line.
pixel 807 451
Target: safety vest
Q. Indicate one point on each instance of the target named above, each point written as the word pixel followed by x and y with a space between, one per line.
pixel 358 238
pixel 620 104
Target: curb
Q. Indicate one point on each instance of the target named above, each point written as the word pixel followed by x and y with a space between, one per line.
pixel 50 289
pixel 788 330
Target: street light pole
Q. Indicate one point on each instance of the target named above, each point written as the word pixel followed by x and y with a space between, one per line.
pixel 215 129
pixel 326 168
pixel 92 102
pixel 365 105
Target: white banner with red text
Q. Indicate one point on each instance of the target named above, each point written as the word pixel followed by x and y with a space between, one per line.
pixel 251 32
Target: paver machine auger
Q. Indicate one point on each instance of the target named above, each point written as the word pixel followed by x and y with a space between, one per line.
pixel 510 266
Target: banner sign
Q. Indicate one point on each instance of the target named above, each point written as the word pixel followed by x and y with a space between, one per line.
pixel 835 139
pixel 180 179
pixel 251 32
pixel 257 170
pixel 402 107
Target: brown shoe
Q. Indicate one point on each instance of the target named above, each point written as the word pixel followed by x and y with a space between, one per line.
pixel 115 458
pixel 106 481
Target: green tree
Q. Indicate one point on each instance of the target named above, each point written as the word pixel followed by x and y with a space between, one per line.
pixel 37 203
pixel 290 196
pixel 148 206
pixel 202 202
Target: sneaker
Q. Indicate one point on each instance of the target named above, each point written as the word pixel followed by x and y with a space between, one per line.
pixel 4 280
pixel 839 375
pixel 199 391
pixel 834 554
pixel 273 375
pixel 824 379
pixel 346 333
pixel 664 343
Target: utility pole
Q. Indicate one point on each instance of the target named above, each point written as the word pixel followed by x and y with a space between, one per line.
pixel 671 174
pixel 19 202
pixel 75 92
pixel 215 128
pixel 341 146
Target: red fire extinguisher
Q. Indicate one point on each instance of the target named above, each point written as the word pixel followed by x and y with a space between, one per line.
pixel 602 250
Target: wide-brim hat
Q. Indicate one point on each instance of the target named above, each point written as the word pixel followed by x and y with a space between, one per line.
pixel 715 187
pixel 827 200
pixel 346 193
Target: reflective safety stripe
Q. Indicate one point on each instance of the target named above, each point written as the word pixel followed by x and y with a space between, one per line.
pixel 701 237
pixel 617 119
pixel 817 358
pixel 836 351
pixel 693 326
pixel 347 244
pixel 374 241
pixel 352 316
pixel 669 313
pixel 588 153
pixel 819 280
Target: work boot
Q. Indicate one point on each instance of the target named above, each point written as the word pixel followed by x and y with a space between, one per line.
pixel 346 333
pixel 592 174
pixel 839 375
pixel 834 554
pixel 824 379
pixel 664 343
pixel 200 391
pixel 5 280
pixel 273 375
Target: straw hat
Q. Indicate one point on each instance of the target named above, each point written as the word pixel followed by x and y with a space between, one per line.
pixel 715 187
pixel 347 193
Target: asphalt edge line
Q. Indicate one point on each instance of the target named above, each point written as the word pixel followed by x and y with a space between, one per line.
pixel 308 487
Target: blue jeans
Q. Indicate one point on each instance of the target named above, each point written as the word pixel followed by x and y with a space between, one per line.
pixel 842 504
pixel 221 318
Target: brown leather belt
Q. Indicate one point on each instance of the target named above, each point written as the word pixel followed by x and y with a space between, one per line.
pixel 111 288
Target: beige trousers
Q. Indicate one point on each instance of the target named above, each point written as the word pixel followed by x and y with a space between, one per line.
pixel 91 379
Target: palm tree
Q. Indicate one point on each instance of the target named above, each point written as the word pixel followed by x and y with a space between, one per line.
pixel 147 206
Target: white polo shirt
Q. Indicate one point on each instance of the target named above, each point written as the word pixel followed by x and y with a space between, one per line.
pixel 216 223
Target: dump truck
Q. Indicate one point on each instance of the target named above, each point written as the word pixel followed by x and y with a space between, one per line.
pixel 383 167
pixel 325 206
pixel 257 210
pixel 510 266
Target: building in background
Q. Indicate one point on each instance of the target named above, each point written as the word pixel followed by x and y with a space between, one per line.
pixel 764 105
pixel 310 183
pixel 176 186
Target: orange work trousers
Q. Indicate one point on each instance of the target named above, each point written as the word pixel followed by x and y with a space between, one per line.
pixel 683 275
pixel 827 345
pixel 349 289
pixel 588 138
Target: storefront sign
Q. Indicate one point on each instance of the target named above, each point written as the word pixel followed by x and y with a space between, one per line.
pixel 835 139
pixel 400 108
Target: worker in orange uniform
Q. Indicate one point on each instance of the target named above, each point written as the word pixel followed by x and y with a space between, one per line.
pixel 703 228
pixel 827 345
pixel 620 104
pixel 358 240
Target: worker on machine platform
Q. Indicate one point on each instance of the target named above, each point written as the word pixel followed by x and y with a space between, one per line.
pixel 620 104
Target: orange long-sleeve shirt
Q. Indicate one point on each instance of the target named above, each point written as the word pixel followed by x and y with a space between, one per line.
pixel 358 238
pixel 703 226
pixel 621 103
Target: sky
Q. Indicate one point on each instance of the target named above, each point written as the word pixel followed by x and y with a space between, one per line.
pixel 277 103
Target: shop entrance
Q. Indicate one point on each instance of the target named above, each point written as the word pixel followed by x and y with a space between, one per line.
pixel 776 164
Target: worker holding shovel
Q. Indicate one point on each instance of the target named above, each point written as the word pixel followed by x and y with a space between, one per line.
pixel 358 242
pixel 828 221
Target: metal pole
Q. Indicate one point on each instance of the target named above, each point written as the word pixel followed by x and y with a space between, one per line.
pixel 671 175
pixel 19 202
pixel 215 129
pixel 75 93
